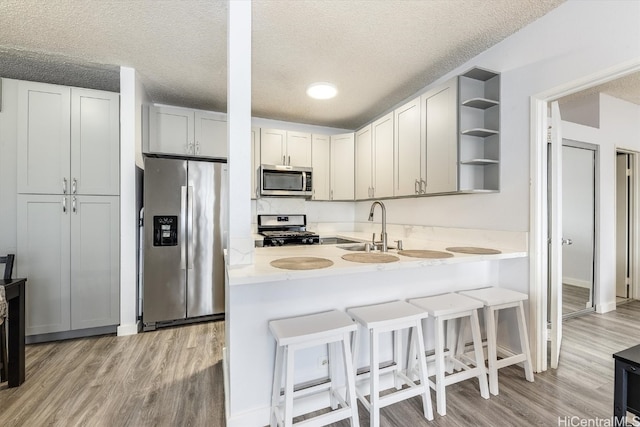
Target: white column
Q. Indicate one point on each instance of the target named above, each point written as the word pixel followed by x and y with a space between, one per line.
pixel 240 245
pixel 128 214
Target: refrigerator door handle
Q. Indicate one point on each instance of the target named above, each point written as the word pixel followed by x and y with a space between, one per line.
pixel 183 227
pixel 191 231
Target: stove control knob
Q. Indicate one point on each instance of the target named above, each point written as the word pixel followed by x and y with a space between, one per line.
pixel 304 240
pixel 280 242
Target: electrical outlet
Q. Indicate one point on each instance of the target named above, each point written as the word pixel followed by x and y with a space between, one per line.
pixel 323 361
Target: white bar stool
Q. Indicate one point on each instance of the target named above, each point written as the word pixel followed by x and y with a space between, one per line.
pixel 392 317
pixel 330 328
pixel 495 299
pixel 449 307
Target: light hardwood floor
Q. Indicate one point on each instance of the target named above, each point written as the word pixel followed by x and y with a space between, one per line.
pixel 173 377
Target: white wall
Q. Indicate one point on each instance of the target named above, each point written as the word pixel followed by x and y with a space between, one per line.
pixel 8 165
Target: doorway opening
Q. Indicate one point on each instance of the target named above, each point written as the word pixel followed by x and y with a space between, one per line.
pixel 625 162
pixel 579 226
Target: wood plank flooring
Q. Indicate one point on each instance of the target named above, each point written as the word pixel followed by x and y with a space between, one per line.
pixel 574 298
pixel 173 377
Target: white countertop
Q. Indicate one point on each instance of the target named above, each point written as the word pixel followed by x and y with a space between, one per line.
pixel 261 270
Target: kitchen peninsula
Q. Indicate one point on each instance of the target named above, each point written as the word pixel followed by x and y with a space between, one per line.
pixel 258 293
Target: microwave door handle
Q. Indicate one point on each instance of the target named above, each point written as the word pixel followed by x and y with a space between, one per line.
pixel 183 227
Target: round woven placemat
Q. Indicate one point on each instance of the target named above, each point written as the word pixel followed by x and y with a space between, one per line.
pixel 424 253
pixel 301 263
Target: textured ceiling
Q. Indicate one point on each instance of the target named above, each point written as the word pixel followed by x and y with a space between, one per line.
pixel 376 52
pixel 626 88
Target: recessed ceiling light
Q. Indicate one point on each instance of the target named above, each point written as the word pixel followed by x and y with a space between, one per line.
pixel 322 90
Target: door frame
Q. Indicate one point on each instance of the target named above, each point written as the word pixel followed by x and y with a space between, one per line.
pixel 538 200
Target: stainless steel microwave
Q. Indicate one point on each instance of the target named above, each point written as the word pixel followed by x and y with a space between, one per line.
pixel 282 180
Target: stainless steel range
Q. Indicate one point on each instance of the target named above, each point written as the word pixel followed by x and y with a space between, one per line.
pixel 280 230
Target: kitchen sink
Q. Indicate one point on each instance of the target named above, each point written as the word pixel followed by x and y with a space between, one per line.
pixel 336 241
pixel 360 247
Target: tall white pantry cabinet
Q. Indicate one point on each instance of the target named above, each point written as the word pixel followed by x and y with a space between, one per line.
pixel 68 206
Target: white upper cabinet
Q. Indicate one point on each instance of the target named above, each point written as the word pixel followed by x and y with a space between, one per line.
pixel 68 140
pixel 407 149
pixel 186 132
pixel 44 138
pixel 95 142
pixel 382 133
pixel 273 146
pixel 374 159
pixel 320 162
pixel 341 169
pixel 279 147
pixel 440 142
pixel 210 134
pixel 364 164
pixel 171 130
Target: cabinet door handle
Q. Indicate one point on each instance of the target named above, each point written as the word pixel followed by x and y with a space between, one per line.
pixel 416 186
pixel 74 186
pixel 284 160
pixel 64 185
pixel 197 148
pixel 73 204
pixel 423 186
pixel 289 160
pixel 331 195
pixel 64 205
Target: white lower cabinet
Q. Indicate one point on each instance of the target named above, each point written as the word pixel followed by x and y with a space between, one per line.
pixel 68 248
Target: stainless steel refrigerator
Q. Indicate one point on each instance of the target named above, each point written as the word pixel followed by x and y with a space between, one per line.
pixel 184 223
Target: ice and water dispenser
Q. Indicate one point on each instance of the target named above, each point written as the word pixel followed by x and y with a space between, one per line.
pixel 165 231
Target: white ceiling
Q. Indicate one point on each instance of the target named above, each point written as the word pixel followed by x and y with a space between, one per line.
pixel 377 52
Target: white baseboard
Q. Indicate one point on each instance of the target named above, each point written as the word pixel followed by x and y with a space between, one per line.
pixel 576 282
pixel 130 329
pixel 605 308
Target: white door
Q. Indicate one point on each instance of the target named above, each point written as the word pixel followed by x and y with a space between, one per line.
pixel 95 142
pixel 382 133
pixel 44 116
pixel 407 149
pixel 555 235
pixel 210 134
pixel 171 130
pixel 321 158
pixel 341 168
pixel 95 273
pixel 299 149
pixel 43 256
pixel 364 160
pixel 273 146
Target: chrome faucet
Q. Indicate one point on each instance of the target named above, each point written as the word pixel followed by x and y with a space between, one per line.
pixel 384 225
